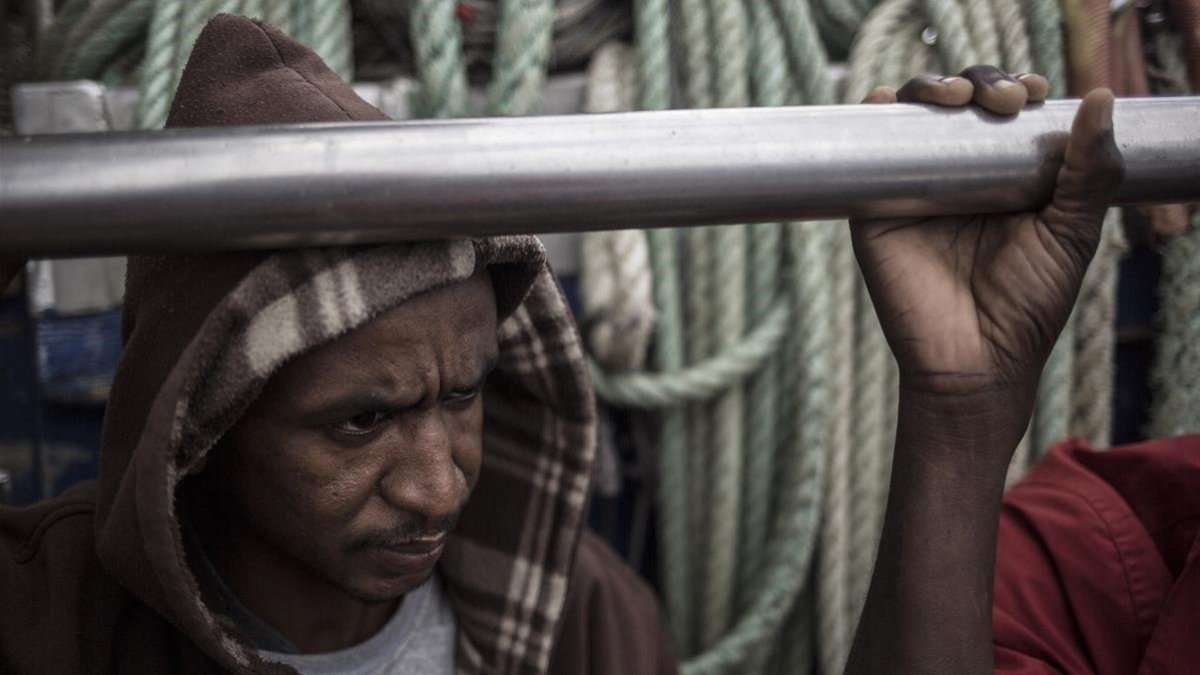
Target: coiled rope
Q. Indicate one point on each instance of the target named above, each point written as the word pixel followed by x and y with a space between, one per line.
pixel 729 243
pixel 437 44
pixel 616 283
pixel 1175 379
pixel 741 314
pixel 522 54
pixel 1095 338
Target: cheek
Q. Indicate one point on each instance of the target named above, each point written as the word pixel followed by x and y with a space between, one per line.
pixel 298 483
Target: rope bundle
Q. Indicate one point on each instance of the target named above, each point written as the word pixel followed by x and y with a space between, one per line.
pixel 739 454
pixel 1176 375
pixel 521 60
pixel 707 355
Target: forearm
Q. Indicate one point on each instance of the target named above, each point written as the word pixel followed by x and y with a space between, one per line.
pixel 929 605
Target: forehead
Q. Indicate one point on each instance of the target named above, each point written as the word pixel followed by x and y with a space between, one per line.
pixel 450 328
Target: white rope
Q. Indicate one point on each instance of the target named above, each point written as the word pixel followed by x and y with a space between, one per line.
pixel 1176 375
pixel 1095 337
pixel 616 284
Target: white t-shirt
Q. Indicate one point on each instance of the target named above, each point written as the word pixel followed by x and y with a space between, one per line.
pixel 417 640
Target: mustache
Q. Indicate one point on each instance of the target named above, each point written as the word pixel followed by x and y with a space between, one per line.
pixel 407 533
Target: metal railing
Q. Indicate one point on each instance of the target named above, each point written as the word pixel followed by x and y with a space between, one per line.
pixel 234 188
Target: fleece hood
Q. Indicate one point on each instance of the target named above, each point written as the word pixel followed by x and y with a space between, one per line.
pixel 204 333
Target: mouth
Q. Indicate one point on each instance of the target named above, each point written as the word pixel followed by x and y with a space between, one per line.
pixel 412 557
pixel 420 546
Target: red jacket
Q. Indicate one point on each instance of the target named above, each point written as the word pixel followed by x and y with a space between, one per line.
pixel 1098 562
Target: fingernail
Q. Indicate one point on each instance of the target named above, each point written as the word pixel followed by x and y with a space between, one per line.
pixel 951 80
pixel 1001 85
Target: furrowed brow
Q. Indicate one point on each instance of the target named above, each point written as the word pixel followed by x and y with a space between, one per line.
pixel 354 403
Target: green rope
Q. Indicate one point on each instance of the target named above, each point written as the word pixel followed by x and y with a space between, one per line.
pixel 1046 43
pixel 800 469
pixel 833 573
pixel 651 26
pixel 437 41
pixel 810 65
pixel 1095 337
pixel 330 37
pixel 953 38
pixel 693 19
pixel 1175 379
pixel 728 33
pixel 522 53
pixel 673 476
pixel 727 39
pixel 302 20
pixel 762 412
pixel 1014 36
pixel 771 88
pixel 158 67
pixel 795 655
pixel 837 21
pixel 701 381
pixel 700 333
pixel 982 30
pixel 873 48
pixel 116 25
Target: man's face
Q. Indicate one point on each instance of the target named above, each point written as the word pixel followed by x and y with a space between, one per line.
pixel 358 456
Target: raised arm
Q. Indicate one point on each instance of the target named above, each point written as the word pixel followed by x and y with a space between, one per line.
pixel 971 307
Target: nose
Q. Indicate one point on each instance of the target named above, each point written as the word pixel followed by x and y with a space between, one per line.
pixel 422 477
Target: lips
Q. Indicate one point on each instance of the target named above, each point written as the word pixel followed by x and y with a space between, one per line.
pixel 410 558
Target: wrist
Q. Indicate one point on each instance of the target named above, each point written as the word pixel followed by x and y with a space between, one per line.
pixel 980 429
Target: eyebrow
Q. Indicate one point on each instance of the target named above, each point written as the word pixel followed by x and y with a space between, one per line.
pixel 376 401
pixel 352 404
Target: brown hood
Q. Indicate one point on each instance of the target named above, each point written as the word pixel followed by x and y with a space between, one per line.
pixel 203 334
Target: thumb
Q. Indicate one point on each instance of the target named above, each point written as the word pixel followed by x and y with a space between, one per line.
pixel 1091 172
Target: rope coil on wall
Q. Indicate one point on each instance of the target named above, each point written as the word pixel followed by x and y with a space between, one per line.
pixel 1176 375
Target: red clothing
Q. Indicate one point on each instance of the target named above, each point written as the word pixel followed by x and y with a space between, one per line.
pixel 1098 562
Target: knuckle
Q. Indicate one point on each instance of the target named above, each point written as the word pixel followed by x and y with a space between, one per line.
pixel 984 74
pixel 918 86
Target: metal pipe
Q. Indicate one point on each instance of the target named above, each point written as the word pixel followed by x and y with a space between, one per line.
pixel 230 188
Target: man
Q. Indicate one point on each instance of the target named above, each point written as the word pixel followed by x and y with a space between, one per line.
pixel 292 437
pixel 291 441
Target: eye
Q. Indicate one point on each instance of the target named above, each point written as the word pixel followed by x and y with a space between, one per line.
pixel 361 424
pixel 463 399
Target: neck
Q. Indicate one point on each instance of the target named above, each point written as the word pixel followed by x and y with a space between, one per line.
pixel 312 613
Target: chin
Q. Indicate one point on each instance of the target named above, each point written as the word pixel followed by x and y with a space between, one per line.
pixel 383 589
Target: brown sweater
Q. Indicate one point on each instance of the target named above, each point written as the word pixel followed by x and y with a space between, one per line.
pixel 98 580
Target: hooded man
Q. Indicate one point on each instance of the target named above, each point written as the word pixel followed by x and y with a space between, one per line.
pixel 292 437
